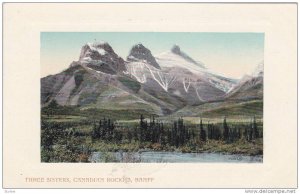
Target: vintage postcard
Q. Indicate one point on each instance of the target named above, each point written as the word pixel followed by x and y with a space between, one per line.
pixel 117 102
pixel 140 99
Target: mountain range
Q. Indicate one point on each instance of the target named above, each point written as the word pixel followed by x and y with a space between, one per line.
pixel 165 84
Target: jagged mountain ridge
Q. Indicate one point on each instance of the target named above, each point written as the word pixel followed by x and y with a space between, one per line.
pixel 180 75
pixel 140 53
pixel 160 85
pixel 176 50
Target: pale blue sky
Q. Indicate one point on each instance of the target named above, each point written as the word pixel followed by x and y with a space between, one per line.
pixel 229 54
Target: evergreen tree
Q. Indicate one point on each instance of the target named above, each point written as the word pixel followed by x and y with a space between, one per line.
pixel 202 132
pixel 142 129
pixel 255 129
pixel 226 130
pixel 250 131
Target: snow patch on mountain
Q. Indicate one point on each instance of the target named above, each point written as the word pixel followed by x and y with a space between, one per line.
pixel 142 70
pixel 186 84
pixel 169 60
pixel 97 47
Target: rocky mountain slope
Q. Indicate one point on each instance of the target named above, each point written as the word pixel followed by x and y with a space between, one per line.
pixel 159 85
pixel 249 87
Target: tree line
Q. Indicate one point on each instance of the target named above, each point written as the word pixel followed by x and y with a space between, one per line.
pixel 177 134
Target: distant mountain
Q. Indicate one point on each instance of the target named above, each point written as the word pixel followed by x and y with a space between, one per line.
pixel 249 87
pixel 159 85
pixel 179 60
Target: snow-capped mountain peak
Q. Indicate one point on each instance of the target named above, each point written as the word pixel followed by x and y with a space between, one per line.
pixel 100 56
pixel 176 50
pixel 90 51
pixel 170 59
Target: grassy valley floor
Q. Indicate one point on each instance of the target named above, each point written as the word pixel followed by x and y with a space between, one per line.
pixel 69 138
